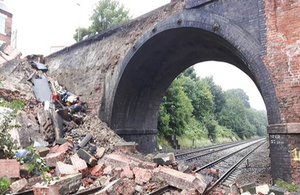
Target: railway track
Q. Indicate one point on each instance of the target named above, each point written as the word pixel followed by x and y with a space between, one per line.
pixel 211 151
pixel 229 173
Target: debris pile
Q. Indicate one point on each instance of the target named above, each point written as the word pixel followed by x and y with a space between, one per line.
pixel 57 147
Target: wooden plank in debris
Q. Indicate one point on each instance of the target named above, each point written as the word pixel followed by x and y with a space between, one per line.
pixel 58 125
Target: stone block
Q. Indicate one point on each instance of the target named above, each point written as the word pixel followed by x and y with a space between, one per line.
pixel 87 157
pixel 263 189
pixel 277 190
pixel 19 185
pixel 127 147
pixel 248 187
pixel 66 185
pixel 164 159
pixel 85 140
pixel 52 158
pixel 43 151
pixel 100 152
pixel 10 168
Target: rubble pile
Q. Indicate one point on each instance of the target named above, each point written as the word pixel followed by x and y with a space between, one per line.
pixel 57 147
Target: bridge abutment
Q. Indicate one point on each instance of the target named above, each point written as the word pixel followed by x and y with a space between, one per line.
pixel 285 151
pixel 146 140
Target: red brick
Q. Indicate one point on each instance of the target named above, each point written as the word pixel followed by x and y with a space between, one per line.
pixel 78 163
pixel 97 170
pixel 52 158
pixel 127 172
pixel 100 152
pixel 63 169
pixel 54 149
pixel 141 175
pixel 19 185
pixel 181 180
pixel 10 168
pixel 64 147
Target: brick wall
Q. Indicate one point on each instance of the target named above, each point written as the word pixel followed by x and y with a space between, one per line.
pixel 283 54
pixel 8 28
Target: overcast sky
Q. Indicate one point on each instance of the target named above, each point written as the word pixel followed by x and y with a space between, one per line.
pixel 42 24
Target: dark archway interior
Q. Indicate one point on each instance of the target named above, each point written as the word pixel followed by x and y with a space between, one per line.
pixel 155 65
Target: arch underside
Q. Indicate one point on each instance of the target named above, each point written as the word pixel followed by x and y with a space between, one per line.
pixel 149 69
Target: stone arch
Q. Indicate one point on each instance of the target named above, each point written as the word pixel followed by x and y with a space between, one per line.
pixel 162 53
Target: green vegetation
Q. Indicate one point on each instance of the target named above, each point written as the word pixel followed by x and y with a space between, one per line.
pixel 4 186
pixel 7 144
pixel 107 14
pixel 15 105
pixel 289 187
pixel 36 164
pixel 199 111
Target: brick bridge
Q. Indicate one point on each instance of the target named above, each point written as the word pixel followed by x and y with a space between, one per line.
pixel 124 72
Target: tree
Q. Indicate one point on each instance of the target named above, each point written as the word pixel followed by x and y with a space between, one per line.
pixel 217 93
pixel 107 14
pixel 179 108
pixel 239 93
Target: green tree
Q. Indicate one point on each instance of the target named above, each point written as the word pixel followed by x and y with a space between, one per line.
pixel 217 93
pixel 107 14
pixel 179 108
pixel 239 93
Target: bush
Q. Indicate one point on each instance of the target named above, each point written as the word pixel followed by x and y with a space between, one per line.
pixel 4 186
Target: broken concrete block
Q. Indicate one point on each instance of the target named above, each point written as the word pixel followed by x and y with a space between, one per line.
pixel 10 168
pixel 127 172
pixel 19 185
pixel 85 140
pixel 40 189
pixel 180 180
pixel 141 175
pixel 63 169
pixel 66 185
pixel 43 151
pixel 164 159
pixel 277 190
pixel 100 152
pixel 264 189
pixel 116 160
pixel 125 147
pixel 104 180
pixel 78 163
pixel 52 158
pixel 89 159
pixel 139 188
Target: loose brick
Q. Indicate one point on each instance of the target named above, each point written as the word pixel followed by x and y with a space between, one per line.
pixel 63 169
pixel 78 163
pixel 100 152
pixel 127 172
pixel 43 151
pixel 127 147
pixel 180 180
pixel 52 158
pixel 66 185
pixel 141 175
pixel 19 185
pixel 10 168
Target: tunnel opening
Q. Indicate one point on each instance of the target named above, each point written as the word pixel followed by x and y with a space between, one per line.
pixel 150 69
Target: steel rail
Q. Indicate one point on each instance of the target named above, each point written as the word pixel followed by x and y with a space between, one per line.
pixel 208 153
pixel 231 170
pixel 226 156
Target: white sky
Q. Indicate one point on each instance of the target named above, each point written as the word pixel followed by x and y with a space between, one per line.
pixel 45 23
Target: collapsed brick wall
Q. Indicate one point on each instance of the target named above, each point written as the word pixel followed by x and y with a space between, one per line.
pixel 283 54
pixel 82 68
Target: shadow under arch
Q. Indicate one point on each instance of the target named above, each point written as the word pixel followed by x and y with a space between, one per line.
pixel 163 53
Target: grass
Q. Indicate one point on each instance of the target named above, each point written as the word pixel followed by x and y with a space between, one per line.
pixel 189 143
pixel 15 105
pixel 289 187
